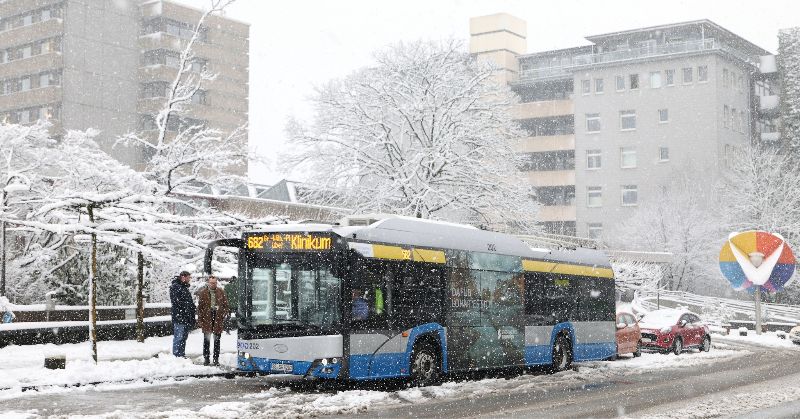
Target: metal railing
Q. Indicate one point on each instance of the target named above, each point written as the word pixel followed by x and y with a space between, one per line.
pixel 633 54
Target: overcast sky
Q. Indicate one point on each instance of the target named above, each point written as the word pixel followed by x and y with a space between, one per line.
pixel 298 44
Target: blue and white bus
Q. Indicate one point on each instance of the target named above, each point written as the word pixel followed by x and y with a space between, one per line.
pixel 404 297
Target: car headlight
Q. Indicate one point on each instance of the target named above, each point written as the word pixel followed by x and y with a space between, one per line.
pixel 666 329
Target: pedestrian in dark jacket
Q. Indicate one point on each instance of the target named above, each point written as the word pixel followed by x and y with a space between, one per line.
pixel 183 312
pixel 212 308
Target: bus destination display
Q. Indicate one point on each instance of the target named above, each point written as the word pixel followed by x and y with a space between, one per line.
pixel 288 242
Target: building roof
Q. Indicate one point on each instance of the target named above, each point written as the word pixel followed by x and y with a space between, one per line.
pixel 711 25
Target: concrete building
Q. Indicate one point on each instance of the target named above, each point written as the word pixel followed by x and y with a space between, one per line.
pixel 611 123
pixel 106 64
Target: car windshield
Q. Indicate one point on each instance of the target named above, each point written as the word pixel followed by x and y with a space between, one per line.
pixel 660 318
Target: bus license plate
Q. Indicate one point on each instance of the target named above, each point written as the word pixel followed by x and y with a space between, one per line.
pixel 647 340
pixel 285 368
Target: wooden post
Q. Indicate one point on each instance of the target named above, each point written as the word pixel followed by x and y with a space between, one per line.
pixel 93 288
pixel 140 294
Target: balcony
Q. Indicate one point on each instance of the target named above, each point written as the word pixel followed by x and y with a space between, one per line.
pixel 770 136
pixel 557 213
pixel 551 178
pixel 34 32
pixel 768 103
pixel 543 109
pixel 30 98
pixel 546 143
pixel 664 50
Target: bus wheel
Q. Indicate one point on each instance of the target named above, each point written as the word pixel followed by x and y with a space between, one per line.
pixel 562 354
pixel 425 366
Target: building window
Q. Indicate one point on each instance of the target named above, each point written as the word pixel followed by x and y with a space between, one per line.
pixel 740 83
pixel 655 79
pixel 669 77
pixel 25 84
pixel 663 154
pixel 702 73
pixel 594 196
pixel 627 159
pixel 733 123
pixel 725 115
pixel 598 85
pixel 630 195
pixel 663 115
pixel 634 81
pixel 687 75
pixel 627 120
pixel 725 77
pixel 586 87
pixel 593 122
pixel 744 122
pixel 594 230
pixel 594 159
pixel 199 97
pixel 620 83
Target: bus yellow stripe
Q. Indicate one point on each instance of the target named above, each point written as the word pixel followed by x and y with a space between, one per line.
pixel 537 266
pixel 390 252
pixel 433 256
pixel 583 271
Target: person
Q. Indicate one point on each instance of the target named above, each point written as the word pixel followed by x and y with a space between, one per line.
pixel 212 308
pixel 5 309
pixel 183 312
pixel 360 306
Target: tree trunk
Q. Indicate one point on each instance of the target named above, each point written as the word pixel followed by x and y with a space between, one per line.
pixel 3 247
pixel 139 295
pixel 93 289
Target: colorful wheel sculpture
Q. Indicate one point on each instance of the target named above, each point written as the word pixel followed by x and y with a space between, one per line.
pixel 757 258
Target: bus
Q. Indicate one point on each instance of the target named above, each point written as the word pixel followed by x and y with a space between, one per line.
pixel 414 299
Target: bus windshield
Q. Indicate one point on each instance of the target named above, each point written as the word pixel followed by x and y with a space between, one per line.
pixel 295 293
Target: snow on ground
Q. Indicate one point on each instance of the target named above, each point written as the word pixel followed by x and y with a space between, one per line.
pixel 284 402
pixel 769 339
pixel 118 361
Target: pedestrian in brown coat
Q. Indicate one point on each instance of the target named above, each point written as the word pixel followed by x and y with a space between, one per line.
pixel 212 307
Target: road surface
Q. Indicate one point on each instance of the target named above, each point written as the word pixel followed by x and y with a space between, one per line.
pixel 723 387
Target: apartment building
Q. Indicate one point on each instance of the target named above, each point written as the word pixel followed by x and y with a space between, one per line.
pixel 106 64
pixel 611 123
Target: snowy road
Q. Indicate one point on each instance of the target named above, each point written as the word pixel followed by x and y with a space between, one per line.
pixel 691 385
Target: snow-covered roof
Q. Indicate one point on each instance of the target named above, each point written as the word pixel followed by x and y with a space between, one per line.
pixel 443 235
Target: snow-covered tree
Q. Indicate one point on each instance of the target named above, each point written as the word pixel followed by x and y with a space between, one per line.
pixel 425 132
pixel 789 67
pixel 681 222
pixel 762 192
pixel 182 150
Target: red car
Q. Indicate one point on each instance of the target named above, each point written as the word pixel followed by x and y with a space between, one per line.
pixel 628 335
pixel 671 330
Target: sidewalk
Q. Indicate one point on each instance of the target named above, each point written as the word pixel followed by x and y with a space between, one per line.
pixel 23 366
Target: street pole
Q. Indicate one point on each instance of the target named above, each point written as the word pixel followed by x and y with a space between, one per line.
pixel 93 288
pixel 758 309
pixel 139 293
pixel 3 258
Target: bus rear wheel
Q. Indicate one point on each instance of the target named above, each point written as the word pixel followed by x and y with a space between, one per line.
pixel 425 366
pixel 562 354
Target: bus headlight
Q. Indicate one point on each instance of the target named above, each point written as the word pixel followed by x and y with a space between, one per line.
pixel 245 355
pixel 324 361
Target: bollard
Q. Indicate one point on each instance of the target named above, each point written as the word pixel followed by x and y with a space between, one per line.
pixel 56 362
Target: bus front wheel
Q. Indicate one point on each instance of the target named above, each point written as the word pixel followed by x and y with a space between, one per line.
pixel 425 365
pixel 562 354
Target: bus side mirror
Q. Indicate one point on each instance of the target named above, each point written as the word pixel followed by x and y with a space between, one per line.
pixel 209 256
